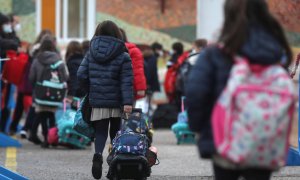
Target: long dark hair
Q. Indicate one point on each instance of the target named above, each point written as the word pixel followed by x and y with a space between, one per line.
pixel 124 36
pixel 43 33
pixel 108 28
pixel 47 44
pixel 74 47
pixel 240 15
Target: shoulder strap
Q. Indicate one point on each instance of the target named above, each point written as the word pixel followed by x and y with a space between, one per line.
pixel 56 65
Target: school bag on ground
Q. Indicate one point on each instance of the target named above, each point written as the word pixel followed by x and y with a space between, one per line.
pixel 64 134
pixel 181 128
pixel 50 90
pixel 131 156
pixel 251 119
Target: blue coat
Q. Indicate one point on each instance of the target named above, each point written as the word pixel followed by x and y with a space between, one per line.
pixel 106 73
pixel 73 64
pixel 209 76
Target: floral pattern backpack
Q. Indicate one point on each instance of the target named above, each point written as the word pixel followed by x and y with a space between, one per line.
pixel 252 118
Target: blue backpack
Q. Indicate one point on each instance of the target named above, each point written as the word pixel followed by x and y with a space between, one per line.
pixel 128 142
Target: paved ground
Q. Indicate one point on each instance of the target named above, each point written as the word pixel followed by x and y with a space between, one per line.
pixel 177 162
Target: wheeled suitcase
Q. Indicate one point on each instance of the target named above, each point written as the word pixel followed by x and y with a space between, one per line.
pixel 131 156
pixel 125 166
pixel 183 133
pixel 181 128
pixel 67 136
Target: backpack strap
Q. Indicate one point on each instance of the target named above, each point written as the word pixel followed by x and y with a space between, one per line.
pixel 56 65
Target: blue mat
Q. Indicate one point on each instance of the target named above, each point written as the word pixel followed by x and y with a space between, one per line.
pixel 6 141
pixel 6 174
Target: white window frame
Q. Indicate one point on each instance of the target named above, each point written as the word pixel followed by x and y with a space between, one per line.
pixel 91 21
pixel 38 7
pixel 91 18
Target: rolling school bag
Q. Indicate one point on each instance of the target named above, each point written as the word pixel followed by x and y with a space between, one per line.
pixel 64 134
pixel 251 120
pixel 67 135
pixel 50 91
pixel 128 158
pixel 181 128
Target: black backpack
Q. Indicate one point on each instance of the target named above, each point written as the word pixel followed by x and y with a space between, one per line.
pixel 50 90
pixel 182 74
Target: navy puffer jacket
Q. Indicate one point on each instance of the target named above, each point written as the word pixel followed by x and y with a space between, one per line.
pixel 73 64
pixel 209 77
pixel 106 73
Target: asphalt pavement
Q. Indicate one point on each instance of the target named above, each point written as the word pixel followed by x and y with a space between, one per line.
pixel 178 162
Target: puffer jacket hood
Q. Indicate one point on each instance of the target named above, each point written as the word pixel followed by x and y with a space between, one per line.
pixel 48 57
pixel 261 47
pixel 130 45
pixel 106 48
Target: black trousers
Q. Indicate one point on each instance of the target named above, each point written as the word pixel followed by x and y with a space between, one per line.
pixel 101 132
pixel 29 119
pixel 247 174
pixel 47 119
pixel 17 113
pixel 5 112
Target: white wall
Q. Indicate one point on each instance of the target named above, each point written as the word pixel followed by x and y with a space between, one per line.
pixel 209 18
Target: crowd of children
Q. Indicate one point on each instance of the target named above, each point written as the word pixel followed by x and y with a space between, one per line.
pixel 234 89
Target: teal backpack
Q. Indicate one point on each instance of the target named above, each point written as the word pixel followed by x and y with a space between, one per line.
pixel 82 117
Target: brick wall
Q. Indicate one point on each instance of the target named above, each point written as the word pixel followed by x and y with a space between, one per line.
pixel 287 12
pixel 147 13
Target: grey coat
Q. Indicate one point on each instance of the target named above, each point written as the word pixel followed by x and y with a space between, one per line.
pixel 41 62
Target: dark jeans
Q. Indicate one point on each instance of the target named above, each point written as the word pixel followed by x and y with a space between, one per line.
pixel 101 132
pixel 17 113
pixel 47 119
pixel 29 119
pixel 5 112
pixel 247 174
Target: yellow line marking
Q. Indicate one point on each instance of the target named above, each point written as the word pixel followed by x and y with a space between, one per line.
pixel 11 158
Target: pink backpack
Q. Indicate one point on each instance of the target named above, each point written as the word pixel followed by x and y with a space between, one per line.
pixel 53 136
pixel 252 118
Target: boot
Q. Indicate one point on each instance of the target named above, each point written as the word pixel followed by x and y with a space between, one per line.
pixel 45 144
pixel 35 140
pixel 97 165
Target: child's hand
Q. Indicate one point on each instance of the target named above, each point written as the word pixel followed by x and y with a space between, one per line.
pixel 141 93
pixel 127 109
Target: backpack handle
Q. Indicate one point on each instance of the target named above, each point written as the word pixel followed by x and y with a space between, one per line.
pixel 65 105
pixel 182 103
pixel 56 65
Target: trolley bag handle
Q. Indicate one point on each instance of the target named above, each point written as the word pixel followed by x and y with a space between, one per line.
pixel 157 162
pixel 182 103
pixel 65 105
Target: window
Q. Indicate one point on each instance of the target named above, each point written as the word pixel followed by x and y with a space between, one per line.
pixel 75 19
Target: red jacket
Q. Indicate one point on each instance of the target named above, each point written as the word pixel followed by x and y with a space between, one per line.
pixel 138 68
pixel 171 75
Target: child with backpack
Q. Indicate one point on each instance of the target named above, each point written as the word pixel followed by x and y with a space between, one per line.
pixel 106 75
pixel 239 95
pixel 49 75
